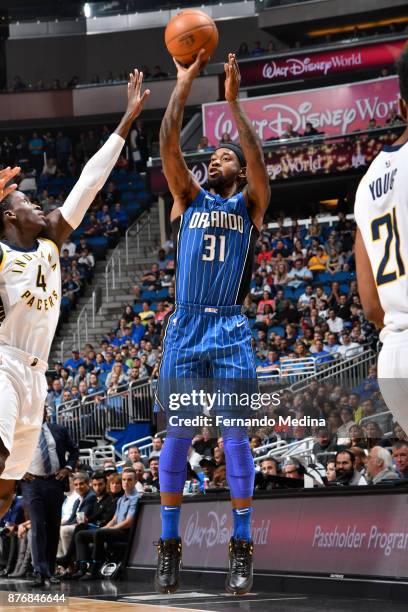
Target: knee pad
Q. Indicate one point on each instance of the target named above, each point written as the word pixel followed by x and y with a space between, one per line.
pixel 173 465
pixel 240 467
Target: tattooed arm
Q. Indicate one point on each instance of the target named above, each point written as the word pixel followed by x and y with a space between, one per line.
pixel 257 191
pixel 182 185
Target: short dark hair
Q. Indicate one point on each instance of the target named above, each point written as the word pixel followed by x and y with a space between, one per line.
pixel 98 476
pixel 402 69
pixel 345 451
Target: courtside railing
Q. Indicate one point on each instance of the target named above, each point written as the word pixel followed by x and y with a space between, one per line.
pixel 96 414
pixel 350 371
pixel 115 269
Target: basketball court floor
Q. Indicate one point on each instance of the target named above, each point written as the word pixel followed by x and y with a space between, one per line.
pixel 106 595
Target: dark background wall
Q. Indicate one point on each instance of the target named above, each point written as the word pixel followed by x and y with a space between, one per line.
pixel 62 57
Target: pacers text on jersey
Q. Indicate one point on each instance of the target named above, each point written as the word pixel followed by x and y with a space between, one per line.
pixel 40 303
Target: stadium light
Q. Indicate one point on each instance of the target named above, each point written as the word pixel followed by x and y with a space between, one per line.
pixel 87 10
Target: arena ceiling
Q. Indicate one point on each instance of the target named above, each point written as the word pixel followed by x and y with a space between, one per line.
pixel 30 10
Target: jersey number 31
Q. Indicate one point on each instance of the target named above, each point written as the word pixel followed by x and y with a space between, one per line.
pixel 390 222
pixel 210 248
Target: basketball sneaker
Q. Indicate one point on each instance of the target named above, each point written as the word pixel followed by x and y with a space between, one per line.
pixel 240 575
pixel 166 579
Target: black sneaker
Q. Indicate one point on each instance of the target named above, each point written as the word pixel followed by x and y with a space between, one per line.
pixel 240 575
pixel 166 579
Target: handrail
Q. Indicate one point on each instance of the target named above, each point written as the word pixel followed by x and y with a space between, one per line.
pixel 82 323
pixel 140 224
pixel 113 268
pixel 340 368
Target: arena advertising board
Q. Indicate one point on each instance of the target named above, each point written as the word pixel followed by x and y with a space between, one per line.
pixel 364 535
pixel 321 157
pixel 264 71
pixel 336 110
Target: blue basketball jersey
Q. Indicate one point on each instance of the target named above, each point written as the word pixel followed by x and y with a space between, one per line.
pixel 215 241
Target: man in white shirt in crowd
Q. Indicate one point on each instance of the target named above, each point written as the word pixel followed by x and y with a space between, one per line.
pixel 299 275
pixel 348 348
pixel 304 299
pixel 334 323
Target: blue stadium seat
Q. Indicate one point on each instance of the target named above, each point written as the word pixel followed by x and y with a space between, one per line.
pixel 321 277
pixel 133 211
pixel 162 294
pixel 289 293
pixel 341 276
pixel 276 329
pixel 344 288
pixel 98 246
pixel 148 295
pixel 298 292
pixel 127 196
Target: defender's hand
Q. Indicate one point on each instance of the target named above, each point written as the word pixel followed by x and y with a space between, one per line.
pixel 136 99
pixel 232 78
pixel 5 176
pixel 191 72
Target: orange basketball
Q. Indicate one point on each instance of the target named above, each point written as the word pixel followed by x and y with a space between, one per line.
pixel 188 32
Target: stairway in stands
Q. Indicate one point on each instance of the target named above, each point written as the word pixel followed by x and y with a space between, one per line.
pixel 142 253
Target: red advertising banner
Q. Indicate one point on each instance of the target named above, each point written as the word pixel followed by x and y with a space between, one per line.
pixel 327 157
pixel 322 63
pixel 333 110
pixel 364 535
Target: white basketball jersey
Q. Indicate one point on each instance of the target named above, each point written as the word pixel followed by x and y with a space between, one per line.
pixel 381 211
pixel 30 297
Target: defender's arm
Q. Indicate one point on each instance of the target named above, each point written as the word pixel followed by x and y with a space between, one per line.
pixel 62 221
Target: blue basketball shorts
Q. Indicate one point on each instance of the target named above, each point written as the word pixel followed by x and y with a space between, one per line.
pixel 206 348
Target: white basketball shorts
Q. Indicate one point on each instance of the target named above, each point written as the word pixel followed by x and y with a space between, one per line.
pixel 393 374
pixel 23 389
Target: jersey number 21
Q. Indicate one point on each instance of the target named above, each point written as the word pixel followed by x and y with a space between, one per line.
pixel 390 222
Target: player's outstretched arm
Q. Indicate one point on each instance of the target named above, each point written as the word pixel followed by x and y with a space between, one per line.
pixel 367 288
pixel 257 190
pixel 182 185
pixel 6 175
pixel 62 221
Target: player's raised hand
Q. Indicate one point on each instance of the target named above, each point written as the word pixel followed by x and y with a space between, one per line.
pixel 5 176
pixel 232 78
pixel 189 73
pixel 136 98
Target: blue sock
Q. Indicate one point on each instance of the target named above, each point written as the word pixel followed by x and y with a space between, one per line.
pixel 170 516
pixel 242 523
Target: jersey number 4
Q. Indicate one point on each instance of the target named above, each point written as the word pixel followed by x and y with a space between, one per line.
pixel 211 247
pixel 41 279
pixel 390 222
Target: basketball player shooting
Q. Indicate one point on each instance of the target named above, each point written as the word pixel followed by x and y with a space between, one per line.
pixel 206 335
pixel 30 294
pixel 381 212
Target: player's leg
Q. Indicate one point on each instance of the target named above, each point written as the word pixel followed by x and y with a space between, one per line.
pixel 179 366
pixel 393 376
pixel 8 415
pixel 234 371
pixel 6 495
